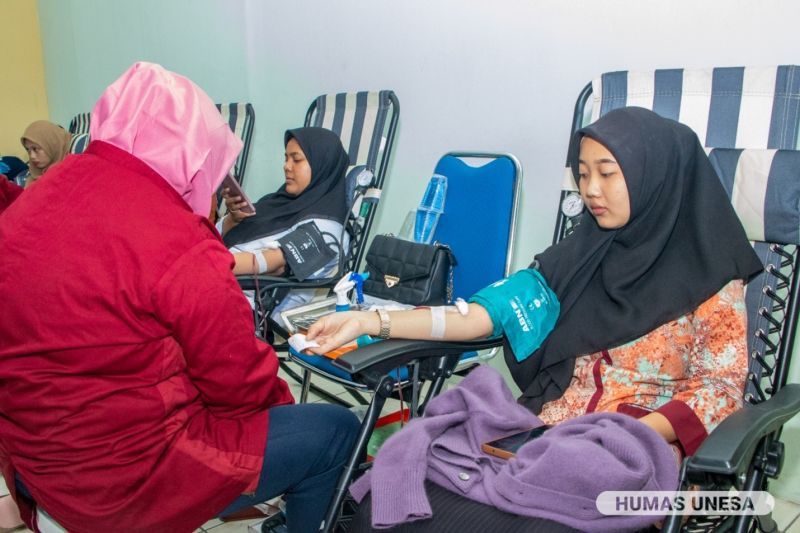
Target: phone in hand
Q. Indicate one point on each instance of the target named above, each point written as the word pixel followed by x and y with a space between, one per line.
pixel 506 447
pixel 236 190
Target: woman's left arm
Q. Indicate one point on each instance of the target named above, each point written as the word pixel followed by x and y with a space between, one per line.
pixel 717 369
pixel 246 263
pixel 202 307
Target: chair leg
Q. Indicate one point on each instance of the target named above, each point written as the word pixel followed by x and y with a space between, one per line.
pixel 322 393
pixel 767 523
pixel 357 397
pixel 382 391
pixel 754 482
pixel 440 376
pixel 415 389
pixel 305 386
pixel 672 523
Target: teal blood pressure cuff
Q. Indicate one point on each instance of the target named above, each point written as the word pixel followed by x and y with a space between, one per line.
pixel 523 308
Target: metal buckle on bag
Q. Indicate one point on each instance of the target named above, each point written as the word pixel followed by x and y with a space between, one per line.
pixel 391 281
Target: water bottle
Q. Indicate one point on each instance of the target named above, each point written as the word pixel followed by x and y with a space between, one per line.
pixel 430 209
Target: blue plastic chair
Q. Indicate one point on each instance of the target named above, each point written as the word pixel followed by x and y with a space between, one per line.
pixel 478 224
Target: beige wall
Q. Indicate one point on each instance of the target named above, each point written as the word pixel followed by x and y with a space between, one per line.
pixel 23 98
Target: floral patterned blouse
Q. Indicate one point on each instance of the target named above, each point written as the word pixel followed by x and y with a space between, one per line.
pixel 691 370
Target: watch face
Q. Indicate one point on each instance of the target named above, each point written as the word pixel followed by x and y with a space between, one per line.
pixel 572 205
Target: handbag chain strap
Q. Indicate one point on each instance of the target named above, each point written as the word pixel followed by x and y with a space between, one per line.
pixel 450 271
pixel 450 283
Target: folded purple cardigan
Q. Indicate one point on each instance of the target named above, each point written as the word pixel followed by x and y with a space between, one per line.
pixel 557 476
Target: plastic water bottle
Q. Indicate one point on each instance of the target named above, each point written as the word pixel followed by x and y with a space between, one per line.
pixel 430 209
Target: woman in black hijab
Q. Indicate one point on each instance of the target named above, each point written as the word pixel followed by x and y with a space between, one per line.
pixel 682 245
pixel 314 190
pixel 650 288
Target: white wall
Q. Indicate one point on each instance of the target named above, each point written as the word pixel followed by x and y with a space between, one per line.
pixel 499 75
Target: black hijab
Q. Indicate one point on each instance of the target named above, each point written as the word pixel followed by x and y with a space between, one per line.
pixel 323 198
pixel 682 244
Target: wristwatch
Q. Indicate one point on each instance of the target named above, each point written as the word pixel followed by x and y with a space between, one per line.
pixel 386 323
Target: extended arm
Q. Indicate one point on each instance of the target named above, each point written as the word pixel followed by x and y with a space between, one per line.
pixel 202 306
pixel 245 263
pixel 337 329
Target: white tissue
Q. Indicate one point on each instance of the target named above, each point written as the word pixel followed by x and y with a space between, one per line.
pixel 299 343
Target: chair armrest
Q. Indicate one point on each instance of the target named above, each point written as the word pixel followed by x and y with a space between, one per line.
pixel 387 355
pixel 248 283
pixel 730 447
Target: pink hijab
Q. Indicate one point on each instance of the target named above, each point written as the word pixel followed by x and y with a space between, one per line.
pixel 169 123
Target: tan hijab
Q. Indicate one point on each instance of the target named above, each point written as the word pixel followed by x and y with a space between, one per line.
pixel 52 138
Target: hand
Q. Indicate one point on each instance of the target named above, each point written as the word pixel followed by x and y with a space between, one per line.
pixel 235 205
pixel 337 329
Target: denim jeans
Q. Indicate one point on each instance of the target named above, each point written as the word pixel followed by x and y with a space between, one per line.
pixel 307 446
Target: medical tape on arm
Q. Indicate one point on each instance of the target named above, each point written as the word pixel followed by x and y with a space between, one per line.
pixel 438 322
pixel 261 261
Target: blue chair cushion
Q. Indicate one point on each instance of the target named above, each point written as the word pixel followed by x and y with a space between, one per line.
pixel 480 247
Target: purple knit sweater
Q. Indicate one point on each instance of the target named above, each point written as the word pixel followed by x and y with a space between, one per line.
pixel 557 476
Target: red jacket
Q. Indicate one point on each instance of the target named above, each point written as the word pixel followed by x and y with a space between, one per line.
pixel 9 192
pixel 133 392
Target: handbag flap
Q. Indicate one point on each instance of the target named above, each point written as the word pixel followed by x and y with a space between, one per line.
pixel 404 260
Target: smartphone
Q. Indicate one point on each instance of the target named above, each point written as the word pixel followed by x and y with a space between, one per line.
pixel 236 190
pixel 506 447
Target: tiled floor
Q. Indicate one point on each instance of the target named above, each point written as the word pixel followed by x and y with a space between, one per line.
pixel 787 515
pixel 216 526
pixel 785 511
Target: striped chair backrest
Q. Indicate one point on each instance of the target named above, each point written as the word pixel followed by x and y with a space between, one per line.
pixel 748 119
pixel 732 107
pixel 361 120
pixel 366 123
pixel 78 143
pixel 240 117
pixel 80 123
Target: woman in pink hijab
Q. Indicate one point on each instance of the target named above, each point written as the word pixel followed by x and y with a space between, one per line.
pixel 133 393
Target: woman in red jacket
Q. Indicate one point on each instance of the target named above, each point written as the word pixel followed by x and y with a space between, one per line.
pixel 133 394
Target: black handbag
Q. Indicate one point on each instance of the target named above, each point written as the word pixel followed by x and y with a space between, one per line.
pixel 409 272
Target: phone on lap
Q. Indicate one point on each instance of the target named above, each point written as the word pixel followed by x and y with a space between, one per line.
pixel 236 190
pixel 506 447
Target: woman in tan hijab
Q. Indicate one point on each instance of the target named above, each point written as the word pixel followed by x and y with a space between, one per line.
pixel 46 144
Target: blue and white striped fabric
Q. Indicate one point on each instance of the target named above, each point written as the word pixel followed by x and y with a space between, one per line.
pixel 241 118
pixel 764 188
pixel 728 107
pixel 731 107
pixel 360 120
pixel 80 123
pixel 78 143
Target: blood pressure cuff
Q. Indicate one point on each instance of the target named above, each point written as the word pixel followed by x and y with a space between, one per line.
pixel 523 308
pixel 305 250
